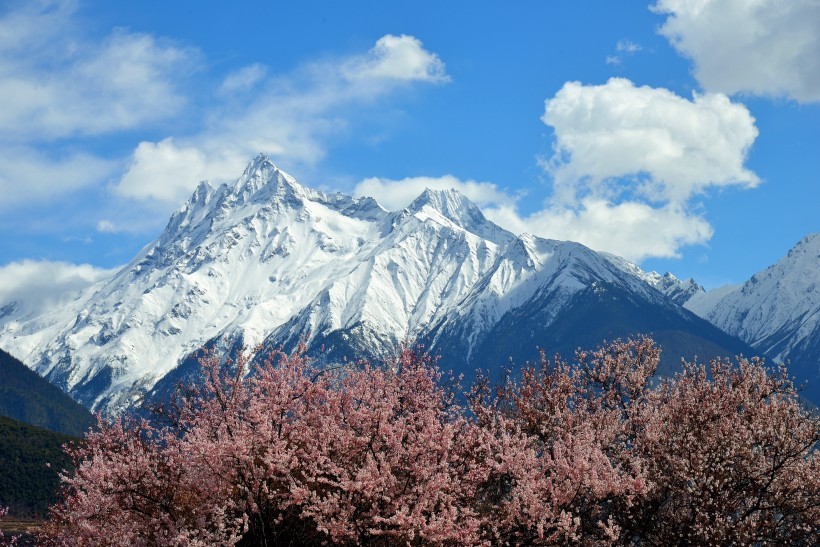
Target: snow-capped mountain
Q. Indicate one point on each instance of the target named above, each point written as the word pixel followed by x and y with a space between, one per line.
pixel 677 290
pixel 266 260
pixel 777 311
pixel 572 297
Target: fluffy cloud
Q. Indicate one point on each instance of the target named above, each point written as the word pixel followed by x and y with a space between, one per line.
pixel 37 286
pixel 761 47
pixel 629 160
pixel 669 147
pixel 27 175
pixel 56 85
pixel 397 58
pixel 290 119
pixel 159 170
pixel 397 194
pixel 627 165
pixel 631 229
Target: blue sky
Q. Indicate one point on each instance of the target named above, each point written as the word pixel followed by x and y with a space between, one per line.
pixel 682 134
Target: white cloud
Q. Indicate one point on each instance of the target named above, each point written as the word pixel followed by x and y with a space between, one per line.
pixel 106 226
pixel 290 119
pixel 159 169
pixel 627 165
pixel 32 25
pixel 56 85
pixel 394 195
pixel 623 48
pixel 243 79
pixel 28 175
pixel 627 46
pixel 397 58
pixel 38 286
pixel 761 47
pixel 629 160
pixel 669 148
pixel 631 229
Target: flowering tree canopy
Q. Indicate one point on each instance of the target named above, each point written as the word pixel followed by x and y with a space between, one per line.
pixel 596 452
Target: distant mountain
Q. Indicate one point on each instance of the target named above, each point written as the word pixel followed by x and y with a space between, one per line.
pixel 268 261
pixel 777 311
pixel 27 397
pixel 667 284
pixel 576 298
pixel 31 459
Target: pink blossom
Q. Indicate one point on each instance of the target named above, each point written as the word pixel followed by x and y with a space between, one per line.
pixel 584 453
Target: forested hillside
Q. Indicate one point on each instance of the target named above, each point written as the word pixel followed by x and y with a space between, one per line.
pixel 31 459
pixel 27 397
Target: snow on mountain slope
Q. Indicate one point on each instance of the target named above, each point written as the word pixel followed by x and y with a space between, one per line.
pixel 534 265
pixel 702 302
pixel 262 259
pixel 777 311
pixel 266 260
pixel 567 296
pixel 429 257
pixel 236 260
pixel 677 290
pixel 507 285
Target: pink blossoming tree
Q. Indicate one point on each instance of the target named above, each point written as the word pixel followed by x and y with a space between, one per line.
pixel 731 456
pixel 591 453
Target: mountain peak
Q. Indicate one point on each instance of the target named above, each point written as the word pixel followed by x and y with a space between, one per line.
pixel 803 257
pixel 808 245
pixel 259 164
pixel 263 181
pixel 441 200
pixel 777 312
pixel 450 204
pixel 669 276
pixel 786 292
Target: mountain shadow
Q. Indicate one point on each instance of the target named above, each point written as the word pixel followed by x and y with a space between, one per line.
pixel 27 397
pixel 603 312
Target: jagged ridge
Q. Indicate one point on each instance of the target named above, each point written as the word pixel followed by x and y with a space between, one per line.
pixel 266 260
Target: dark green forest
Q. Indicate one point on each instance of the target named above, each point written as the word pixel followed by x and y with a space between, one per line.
pixel 31 459
pixel 29 398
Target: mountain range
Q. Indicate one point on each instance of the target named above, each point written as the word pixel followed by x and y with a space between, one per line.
pixel 266 262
